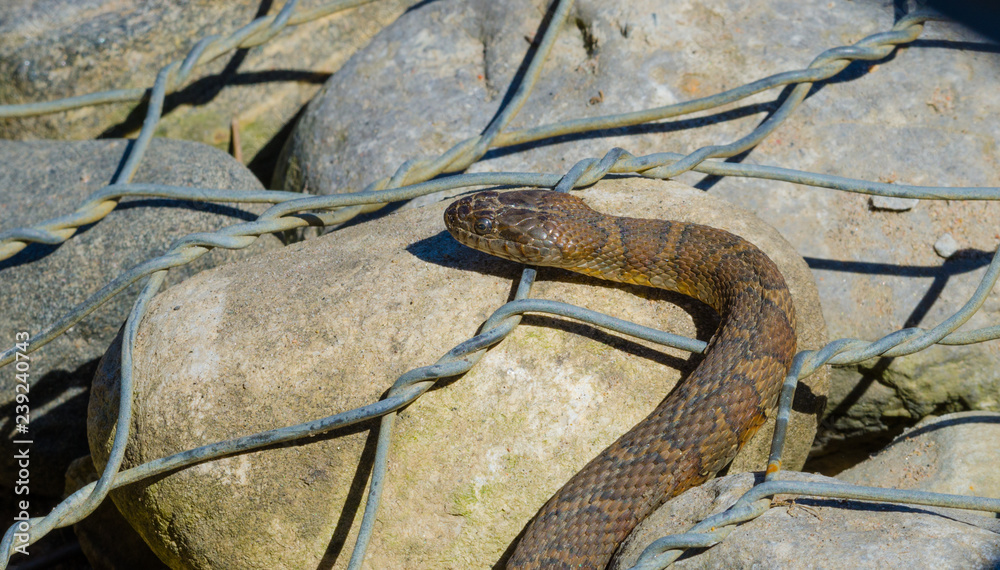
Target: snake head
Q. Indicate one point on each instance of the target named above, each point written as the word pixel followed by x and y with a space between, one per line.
pixel 528 226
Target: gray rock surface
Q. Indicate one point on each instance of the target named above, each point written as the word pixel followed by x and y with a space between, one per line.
pixel 327 325
pixel 946 246
pixel 58 48
pixel 438 75
pixel 823 533
pixel 106 538
pixel 45 179
pixel 894 204
pixel 955 453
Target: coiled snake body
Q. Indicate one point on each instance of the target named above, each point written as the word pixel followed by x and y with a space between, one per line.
pixel 699 427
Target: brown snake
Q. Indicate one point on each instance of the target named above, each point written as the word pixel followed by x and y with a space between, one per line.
pixel 699 427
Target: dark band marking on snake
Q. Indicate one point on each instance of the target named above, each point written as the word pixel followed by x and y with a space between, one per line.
pixel 699 427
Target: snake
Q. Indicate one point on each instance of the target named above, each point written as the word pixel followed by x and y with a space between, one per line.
pixel 701 424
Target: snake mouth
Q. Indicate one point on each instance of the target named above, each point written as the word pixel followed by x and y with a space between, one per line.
pixel 498 247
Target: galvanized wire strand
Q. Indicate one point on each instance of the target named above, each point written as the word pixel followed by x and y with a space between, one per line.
pixel 206 50
pixel 524 89
pixel 123 424
pixel 649 560
pixel 70 103
pixel 873 47
pixel 89 212
pixel 379 466
pixel 153 112
pixel 661 165
pixel 808 75
pixel 469 352
pixel 757 500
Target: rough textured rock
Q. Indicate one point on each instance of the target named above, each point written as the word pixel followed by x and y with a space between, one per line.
pixel 439 73
pixel 955 453
pixel 946 246
pixel 45 179
pixel 823 533
pixel 894 204
pixel 106 538
pixel 325 326
pixel 60 48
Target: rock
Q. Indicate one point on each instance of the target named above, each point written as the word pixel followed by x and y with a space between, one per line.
pixel 106 538
pixel 53 49
pixel 954 453
pixel 426 82
pixel 44 179
pixel 822 533
pixel 894 204
pixel 946 246
pixel 326 326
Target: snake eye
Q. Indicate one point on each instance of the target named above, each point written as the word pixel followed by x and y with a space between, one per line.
pixel 483 226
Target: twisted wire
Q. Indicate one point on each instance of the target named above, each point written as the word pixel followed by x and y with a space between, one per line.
pixel 463 154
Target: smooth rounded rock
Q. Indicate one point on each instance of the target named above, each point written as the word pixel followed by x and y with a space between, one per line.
pixel 438 75
pixel 326 326
pixel 40 180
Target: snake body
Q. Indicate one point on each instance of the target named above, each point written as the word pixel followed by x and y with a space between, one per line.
pixel 699 427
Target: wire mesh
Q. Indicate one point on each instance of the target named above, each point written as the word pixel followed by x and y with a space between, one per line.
pixel 421 177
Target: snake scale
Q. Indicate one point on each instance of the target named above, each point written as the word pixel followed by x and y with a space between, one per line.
pixel 699 427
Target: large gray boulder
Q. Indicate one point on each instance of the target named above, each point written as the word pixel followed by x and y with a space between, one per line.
pixel 438 75
pixel 53 49
pixel 44 179
pixel 822 533
pixel 326 326
pixel 955 454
